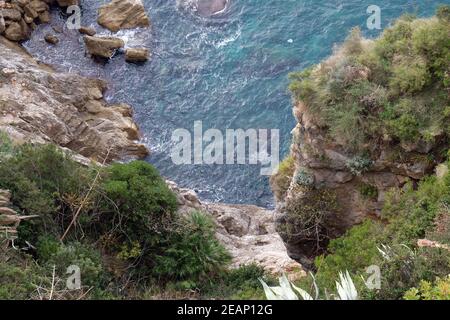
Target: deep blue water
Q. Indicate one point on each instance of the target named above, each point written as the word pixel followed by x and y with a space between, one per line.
pixel 230 71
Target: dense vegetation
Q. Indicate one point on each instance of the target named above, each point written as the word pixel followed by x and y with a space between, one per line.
pixel 392 244
pixel 118 224
pixel 392 89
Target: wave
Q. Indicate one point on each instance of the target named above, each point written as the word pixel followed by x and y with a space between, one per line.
pixel 228 40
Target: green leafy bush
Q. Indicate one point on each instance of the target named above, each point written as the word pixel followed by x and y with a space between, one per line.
pixel 440 290
pixel 52 252
pixel 368 191
pixel 237 284
pixel 193 252
pixel 281 181
pixel 359 165
pixel 360 93
pixel 408 215
pixel 303 178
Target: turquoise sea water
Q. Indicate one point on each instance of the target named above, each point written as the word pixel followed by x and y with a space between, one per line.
pixel 230 71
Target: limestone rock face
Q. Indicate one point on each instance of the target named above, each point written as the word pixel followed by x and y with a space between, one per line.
pixel 103 47
pixel 248 233
pixel 40 105
pixel 123 14
pixel 355 188
pixel 136 54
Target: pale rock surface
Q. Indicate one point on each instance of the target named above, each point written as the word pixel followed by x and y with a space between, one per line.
pixel 248 232
pixel 40 105
pixel 123 14
pixel 104 47
pixel 136 54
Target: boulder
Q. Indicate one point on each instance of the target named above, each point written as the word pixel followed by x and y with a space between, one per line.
pixel 16 32
pixel 210 7
pixel 52 39
pixel 67 3
pixel 123 14
pixel 136 54
pixel 11 14
pixel 44 17
pixel 87 31
pixel 103 47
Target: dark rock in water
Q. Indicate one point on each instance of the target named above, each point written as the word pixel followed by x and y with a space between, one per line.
pixel 67 3
pixel 136 55
pixel 57 29
pixel 210 7
pixel 52 39
pixel 103 47
pixel 87 31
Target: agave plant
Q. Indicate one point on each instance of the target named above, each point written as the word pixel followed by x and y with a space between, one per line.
pixel 285 291
pixel 346 289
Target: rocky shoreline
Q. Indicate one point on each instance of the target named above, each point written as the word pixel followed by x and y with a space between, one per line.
pixel 40 105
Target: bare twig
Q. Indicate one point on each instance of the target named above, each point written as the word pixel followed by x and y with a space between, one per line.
pixel 53 284
pixel 85 199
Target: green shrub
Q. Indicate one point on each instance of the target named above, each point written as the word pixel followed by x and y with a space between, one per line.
pixel 358 165
pixel 443 13
pixel 6 146
pixel 409 76
pixel 281 181
pixel 237 284
pixel 355 251
pixel 396 85
pixel 440 290
pixel 42 180
pixel 310 220
pixel 52 253
pixel 303 178
pixel 368 191
pixel 17 281
pixel 408 215
pixel 192 251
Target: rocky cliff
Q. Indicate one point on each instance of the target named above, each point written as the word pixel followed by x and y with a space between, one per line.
pixel 372 117
pixel 40 105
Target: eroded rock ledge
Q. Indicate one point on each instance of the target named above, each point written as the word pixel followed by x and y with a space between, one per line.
pixel 248 232
pixel 40 105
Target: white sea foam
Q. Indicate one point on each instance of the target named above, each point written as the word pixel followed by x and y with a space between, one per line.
pixel 131 37
pixel 228 40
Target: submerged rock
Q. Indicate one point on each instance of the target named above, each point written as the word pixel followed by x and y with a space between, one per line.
pixel 123 14
pixel 136 55
pixel 210 7
pixel 39 105
pixel 87 31
pixel 52 39
pixel 103 47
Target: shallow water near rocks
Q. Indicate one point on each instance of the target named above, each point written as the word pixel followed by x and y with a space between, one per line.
pixel 229 71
